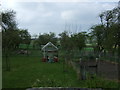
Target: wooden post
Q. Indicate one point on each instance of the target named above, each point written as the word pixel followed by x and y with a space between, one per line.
pixel 82 70
pixel 97 61
pixel 44 53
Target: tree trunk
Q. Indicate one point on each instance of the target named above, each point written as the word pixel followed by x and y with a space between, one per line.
pixel 7 63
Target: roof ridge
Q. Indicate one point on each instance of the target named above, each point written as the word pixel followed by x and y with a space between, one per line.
pixel 49 43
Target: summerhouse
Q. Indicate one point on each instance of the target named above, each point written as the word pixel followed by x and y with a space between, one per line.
pixel 50 52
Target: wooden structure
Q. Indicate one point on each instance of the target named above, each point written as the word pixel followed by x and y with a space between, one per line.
pixel 90 66
pixel 50 52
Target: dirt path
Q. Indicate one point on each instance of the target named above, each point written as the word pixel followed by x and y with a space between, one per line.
pixel 108 70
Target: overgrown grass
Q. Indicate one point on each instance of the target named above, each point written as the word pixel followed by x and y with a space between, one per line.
pixel 29 71
pixel 94 81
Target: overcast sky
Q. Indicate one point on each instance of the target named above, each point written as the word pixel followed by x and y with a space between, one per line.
pixel 43 16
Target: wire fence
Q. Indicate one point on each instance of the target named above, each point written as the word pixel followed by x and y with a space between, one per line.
pixel 94 63
pixel 86 55
pixel 73 59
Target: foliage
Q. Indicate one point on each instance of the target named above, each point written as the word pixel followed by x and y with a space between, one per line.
pixel 45 38
pixel 73 41
pixel 65 40
pixel 98 34
pixel 12 36
pixel 80 39
pixel 24 36
pixel 107 33
pixel 8 20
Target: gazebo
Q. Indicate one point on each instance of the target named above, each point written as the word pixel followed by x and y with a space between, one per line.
pixel 50 52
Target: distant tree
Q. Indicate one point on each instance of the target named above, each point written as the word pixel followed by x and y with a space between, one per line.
pixel 47 37
pixel 25 38
pixel 35 43
pixel 73 41
pixel 64 40
pixel 78 40
pixel 98 32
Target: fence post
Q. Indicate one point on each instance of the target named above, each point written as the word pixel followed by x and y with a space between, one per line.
pixel 82 70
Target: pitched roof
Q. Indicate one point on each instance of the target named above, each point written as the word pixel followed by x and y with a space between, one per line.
pixel 49 44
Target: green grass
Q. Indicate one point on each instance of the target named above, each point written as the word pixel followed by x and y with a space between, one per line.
pixel 99 82
pixel 29 71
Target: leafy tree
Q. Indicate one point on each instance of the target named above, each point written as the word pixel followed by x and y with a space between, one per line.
pixel 98 32
pixel 73 41
pixel 34 40
pixel 45 38
pixel 65 40
pixel 10 39
pixel 78 40
pixel 107 34
pixel 8 20
pixel 11 35
pixel 25 36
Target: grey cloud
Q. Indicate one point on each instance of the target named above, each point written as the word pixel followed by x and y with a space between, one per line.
pixel 46 17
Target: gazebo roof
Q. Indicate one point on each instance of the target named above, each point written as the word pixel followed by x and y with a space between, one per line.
pixel 46 47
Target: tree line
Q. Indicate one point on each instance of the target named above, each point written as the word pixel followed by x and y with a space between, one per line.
pixel 12 36
pixel 105 35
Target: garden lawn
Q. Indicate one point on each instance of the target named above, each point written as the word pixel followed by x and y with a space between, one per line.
pixel 29 71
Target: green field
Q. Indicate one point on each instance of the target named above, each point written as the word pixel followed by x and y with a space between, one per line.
pixel 26 71
pixel 29 71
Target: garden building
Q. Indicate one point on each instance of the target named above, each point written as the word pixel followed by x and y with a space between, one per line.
pixel 50 52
